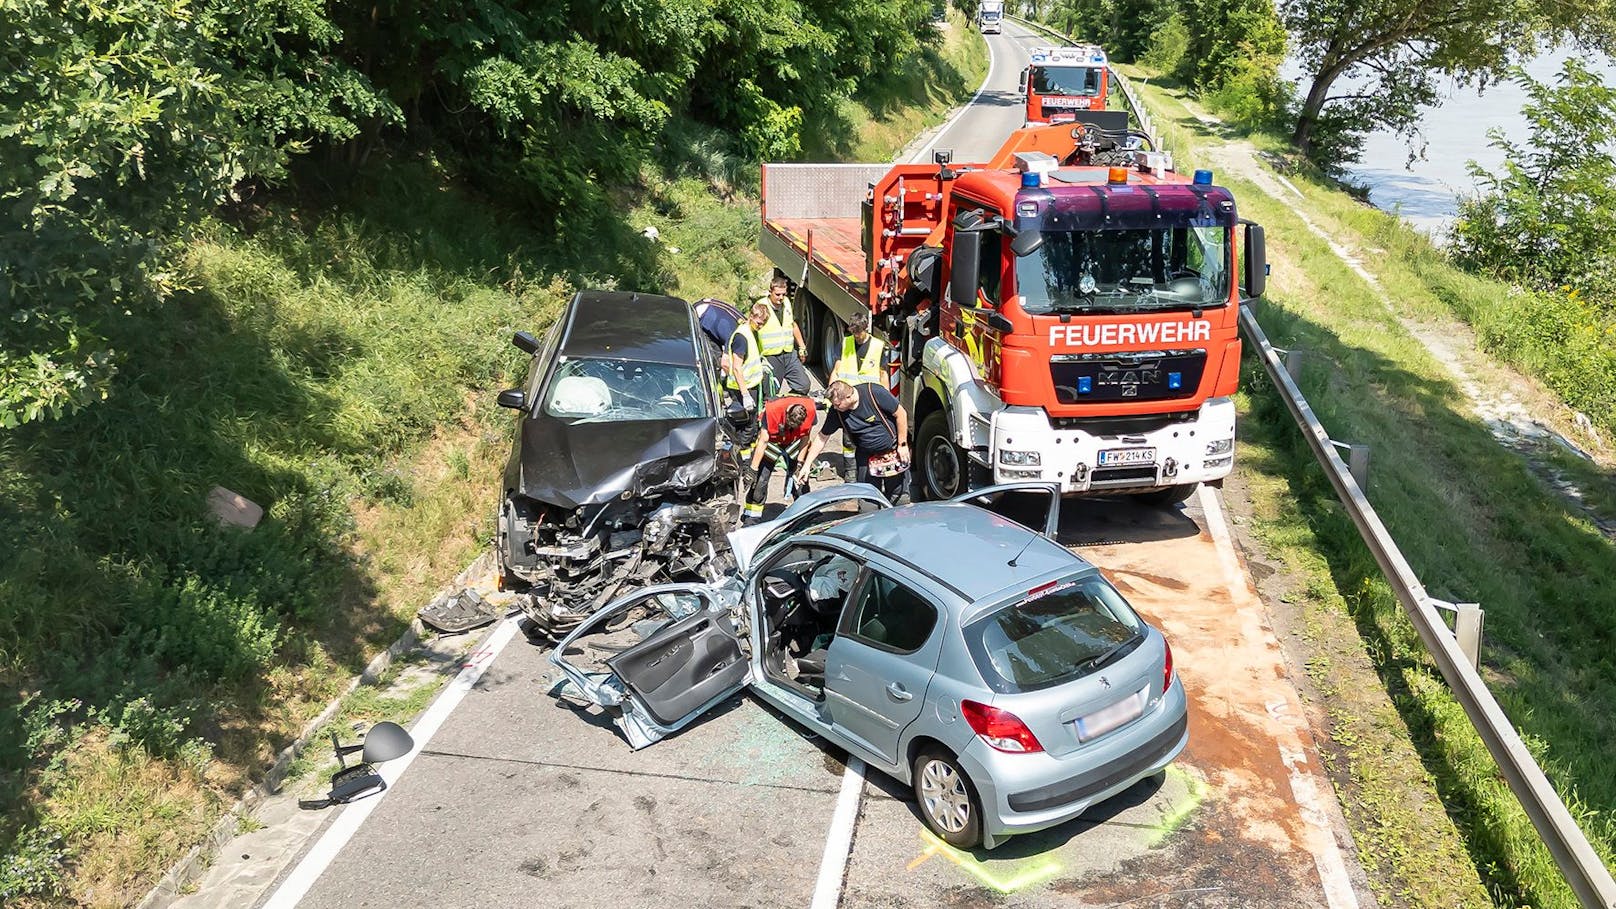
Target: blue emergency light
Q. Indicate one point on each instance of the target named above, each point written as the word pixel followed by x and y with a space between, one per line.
pixel 1175 380
pixel 1085 384
pixel 1030 179
pixel 1203 178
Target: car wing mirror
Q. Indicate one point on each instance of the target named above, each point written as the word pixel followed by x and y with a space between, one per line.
pixel 525 342
pixel 514 398
pixel 383 742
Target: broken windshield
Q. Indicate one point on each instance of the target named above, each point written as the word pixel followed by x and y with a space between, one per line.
pixel 1083 81
pixel 1126 271
pixel 595 390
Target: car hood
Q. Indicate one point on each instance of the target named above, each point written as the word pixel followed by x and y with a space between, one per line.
pixel 590 463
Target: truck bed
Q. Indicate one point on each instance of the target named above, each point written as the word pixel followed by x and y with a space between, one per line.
pixel 836 247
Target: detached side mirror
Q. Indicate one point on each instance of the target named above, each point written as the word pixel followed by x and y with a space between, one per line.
pixel 384 742
pixel 525 342
pixel 1256 261
pixel 514 398
pixel 965 268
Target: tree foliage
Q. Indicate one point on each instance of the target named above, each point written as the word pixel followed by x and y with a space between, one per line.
pixel 1390 54
pixel 122 120
pixel 1544 220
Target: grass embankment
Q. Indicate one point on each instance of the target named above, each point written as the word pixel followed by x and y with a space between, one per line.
pixel 910 96
pixel 334 361
pixel 1472 517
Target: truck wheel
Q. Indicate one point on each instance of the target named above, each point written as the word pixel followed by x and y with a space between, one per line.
pixel 830 341
pixel 943 468
pixel 1166 498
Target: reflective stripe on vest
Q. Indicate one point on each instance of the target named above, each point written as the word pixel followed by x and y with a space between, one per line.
pixel 751 366
pixel 777 336
pixel 853 371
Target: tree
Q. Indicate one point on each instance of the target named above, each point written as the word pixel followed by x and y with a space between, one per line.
pixel 1391 52
pixel 1545 220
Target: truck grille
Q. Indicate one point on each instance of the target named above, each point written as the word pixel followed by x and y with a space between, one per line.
pixel 1158 375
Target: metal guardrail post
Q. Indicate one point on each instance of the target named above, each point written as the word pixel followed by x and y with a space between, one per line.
pixel 1293 364
pixel 1467 630
pixel 1579 863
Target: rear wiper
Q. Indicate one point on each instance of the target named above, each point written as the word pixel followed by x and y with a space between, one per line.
pixel 1104 659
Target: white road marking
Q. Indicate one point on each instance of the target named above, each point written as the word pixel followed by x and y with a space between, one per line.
pixel 319 857
pixel 839 842
pixel 1338 891
pixel 993 62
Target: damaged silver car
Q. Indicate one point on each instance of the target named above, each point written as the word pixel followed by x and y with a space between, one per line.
pixel 623 472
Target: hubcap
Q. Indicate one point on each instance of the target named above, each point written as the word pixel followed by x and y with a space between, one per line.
pixel 942 468
pixel 942 793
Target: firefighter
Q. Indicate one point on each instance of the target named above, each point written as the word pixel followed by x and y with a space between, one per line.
pixel 778 335
pixel 861 363
pixel 782 435
pixel 879 426
pixel 744 367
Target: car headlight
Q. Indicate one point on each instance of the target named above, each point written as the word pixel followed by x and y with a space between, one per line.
pixel 1027 458
pixel 1221 446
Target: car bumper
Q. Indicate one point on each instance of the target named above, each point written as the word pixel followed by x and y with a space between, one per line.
pixel 1021 793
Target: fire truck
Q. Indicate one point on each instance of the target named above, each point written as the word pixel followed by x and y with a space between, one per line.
pixel 1060 81
pixel 1065 312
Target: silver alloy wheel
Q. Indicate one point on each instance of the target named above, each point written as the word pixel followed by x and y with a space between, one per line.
pixel 943 468
pixel 942 792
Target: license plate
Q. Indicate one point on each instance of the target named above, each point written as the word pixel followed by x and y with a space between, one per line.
pixel 1106 719
pixel 1116 457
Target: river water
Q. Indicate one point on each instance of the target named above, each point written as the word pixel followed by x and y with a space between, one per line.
pixel 1426 192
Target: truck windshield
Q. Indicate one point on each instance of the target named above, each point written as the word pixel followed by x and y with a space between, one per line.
pixel 1126 270
pixel 592 390
pixel 1082 81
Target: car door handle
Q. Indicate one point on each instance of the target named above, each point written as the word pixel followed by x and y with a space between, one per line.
pixel 898 692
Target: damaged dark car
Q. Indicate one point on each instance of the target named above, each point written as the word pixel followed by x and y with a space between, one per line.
pixel 624 470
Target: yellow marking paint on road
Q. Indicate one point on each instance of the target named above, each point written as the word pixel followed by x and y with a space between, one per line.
pixel 1023 874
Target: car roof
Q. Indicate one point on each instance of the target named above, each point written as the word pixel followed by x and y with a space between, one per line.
pixel 962 546
pixel 630 326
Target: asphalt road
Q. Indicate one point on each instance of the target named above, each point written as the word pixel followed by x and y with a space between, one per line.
pixel 520 798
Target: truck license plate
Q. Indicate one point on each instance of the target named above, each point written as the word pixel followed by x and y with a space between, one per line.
pixel 1118 457
pixel 1106 719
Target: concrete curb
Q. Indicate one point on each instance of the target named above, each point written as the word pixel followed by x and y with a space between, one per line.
pixel 189 869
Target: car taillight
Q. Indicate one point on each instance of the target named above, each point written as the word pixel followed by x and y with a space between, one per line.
pixel 1167 667
pixel 1000 728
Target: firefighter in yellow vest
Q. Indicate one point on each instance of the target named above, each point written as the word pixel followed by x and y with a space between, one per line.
pixel 862 363
pixel 783 346
pixel 744 368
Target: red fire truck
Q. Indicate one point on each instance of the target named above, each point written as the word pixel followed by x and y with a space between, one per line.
pixel 1060 81
pixel 1064 312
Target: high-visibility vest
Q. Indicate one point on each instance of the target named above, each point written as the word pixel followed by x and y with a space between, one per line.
pixel 777 335
pixel 852 370
pixel 752 366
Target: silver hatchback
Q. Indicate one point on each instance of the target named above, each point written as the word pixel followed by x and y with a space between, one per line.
pixel 946 643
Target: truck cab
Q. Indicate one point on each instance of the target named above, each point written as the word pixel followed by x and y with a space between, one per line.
pixel 990 16
pixel 1060 81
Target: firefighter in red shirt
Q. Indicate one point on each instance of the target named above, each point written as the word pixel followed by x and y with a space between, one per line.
pixel 783 434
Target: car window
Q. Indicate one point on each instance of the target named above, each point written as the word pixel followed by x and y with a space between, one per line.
pixel 596 390
pixel 890 616
pixel 1059 632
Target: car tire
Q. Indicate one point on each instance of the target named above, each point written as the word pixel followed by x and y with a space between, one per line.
pixel 947 800
pixel 942 469
pixel 1166 498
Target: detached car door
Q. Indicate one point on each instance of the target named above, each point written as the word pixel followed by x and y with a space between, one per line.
pixel 1035 506
pixel 658 658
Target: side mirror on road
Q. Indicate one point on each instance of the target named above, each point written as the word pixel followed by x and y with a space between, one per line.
pixel 525 342
pixel 514 398
pixel 384 742
pixel 1256 262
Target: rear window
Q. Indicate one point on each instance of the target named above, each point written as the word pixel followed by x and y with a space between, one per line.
pixel 1056 634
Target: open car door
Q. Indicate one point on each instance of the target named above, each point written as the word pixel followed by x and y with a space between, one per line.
pixel 658 659
pixel 1035 506
pixel 809 508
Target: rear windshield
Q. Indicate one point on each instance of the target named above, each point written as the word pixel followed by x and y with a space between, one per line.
pixel 1067 631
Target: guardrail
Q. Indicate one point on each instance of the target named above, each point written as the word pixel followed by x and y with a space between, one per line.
pixel 1580 865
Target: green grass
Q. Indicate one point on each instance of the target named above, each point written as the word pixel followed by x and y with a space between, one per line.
pixel 916 93
pixel 334 359
pixel 1472 518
